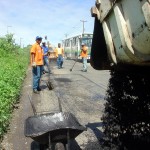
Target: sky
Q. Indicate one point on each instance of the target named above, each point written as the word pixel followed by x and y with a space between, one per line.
pixel 27 19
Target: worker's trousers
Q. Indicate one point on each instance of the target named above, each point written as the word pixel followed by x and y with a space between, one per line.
pixel 37 72
pixel 84 59
pixel 60 61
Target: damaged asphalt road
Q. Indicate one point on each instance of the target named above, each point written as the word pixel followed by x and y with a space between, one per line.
pixel 77 92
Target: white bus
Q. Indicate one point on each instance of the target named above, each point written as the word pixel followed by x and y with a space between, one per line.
pixel 72 45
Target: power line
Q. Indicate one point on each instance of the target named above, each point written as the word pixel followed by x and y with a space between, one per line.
pixel 75 28
pixel 72 29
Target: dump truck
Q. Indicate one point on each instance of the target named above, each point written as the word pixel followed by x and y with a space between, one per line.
pixel 121 37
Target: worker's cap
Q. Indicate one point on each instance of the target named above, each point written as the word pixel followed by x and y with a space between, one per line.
pixel 83 44
pixel 38 38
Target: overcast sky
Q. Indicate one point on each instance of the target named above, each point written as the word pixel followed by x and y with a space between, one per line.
pixel 54 18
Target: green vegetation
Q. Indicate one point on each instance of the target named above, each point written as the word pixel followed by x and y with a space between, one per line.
pixel 13 65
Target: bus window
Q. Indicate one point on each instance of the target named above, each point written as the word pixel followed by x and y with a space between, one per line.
pixel 87 41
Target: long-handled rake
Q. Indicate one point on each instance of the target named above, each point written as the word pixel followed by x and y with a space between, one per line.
pixel 73 65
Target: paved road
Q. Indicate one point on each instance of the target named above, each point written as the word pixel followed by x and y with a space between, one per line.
pixel 81 93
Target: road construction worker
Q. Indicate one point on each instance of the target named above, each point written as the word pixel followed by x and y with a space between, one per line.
pixel 84 54
pixel 46 59
pixel 59 53
pixel 37 63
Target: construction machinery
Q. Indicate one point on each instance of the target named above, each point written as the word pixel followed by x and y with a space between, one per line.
pixel 121 36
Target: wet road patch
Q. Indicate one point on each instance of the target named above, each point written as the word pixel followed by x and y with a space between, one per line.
pixel 63 80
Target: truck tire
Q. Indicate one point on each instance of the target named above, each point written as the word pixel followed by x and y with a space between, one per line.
pixel 35 146
pixel 59 146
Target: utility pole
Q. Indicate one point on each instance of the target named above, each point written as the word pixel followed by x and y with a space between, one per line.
pixel 20 42
pixel 46 37
pixel 66 35
pixel 83 21
pixel 7 29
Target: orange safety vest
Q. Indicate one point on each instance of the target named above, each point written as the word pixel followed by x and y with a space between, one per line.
pixel 38 53
pixel 84 51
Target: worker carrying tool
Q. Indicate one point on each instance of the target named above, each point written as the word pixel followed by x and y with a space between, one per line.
pixel 84 54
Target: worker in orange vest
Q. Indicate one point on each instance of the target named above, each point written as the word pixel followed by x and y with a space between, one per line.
pixel 59 53
pixel 37 63
pixel 84 54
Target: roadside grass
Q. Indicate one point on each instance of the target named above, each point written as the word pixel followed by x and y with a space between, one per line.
pixel 13 66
